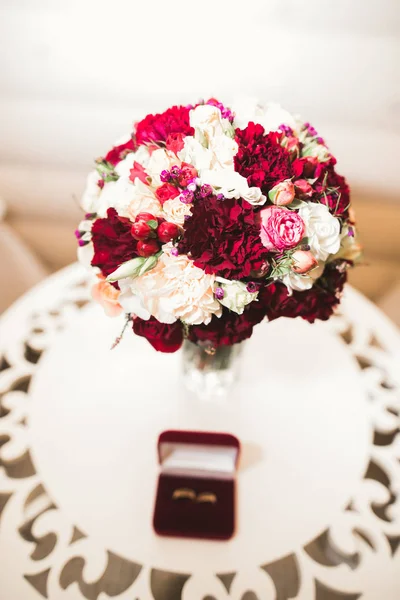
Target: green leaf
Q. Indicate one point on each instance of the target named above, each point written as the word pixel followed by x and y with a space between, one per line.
pixel 152 223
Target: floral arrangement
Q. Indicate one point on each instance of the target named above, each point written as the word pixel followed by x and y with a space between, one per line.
pixel 207 219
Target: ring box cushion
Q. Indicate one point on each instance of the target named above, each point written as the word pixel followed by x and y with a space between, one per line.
pixel 204 463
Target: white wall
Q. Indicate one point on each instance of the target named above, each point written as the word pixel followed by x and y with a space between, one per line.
pixel 76 73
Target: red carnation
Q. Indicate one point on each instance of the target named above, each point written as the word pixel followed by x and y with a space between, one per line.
pixel 113 242
pixel 222 237
pixel 230 328
pixel 118 153
pixel 157 128
pixel 317 303
pixel 261 158
pixel 163 337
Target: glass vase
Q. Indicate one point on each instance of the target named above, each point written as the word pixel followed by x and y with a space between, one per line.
pixel 210 372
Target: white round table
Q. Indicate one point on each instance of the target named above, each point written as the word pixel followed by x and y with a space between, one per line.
pixel 317 412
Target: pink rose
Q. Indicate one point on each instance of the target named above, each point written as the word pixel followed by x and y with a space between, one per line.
pixel 282 194
pixel 281 229
pixel 303 261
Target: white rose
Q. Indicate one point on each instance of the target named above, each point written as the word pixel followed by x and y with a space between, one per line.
pixel 175 211
pixel 270 116
pixel 196 154
pixel 207 122
pixel 236 296
pixel 232 185
pixel 294 281
pixel 90 200
pixel 254 196
pixel 224 150
pixel 321 228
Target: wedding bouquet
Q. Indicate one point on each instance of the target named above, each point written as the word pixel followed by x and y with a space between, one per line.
pixel 207 219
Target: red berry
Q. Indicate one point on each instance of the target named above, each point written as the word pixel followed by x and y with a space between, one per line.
pixel 145 217
pixel 147 248
pixel 140 230
pixel 167 232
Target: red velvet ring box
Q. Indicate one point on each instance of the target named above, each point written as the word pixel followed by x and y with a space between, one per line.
pixel 196 487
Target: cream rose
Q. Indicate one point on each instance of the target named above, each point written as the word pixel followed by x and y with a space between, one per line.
pixel 175 211
pixel 174 289
pixel 322 229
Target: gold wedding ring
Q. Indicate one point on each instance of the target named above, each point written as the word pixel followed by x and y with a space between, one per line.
pixel 185 493
pixel 207 497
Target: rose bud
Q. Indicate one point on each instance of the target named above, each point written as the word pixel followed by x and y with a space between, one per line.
pixel 167 232
pixel 282 194
pixel 140 230
pixel 303 187
pixel 188 172
pixel 292 144
pixel 303 261
pixel 144 216
pixel 147 248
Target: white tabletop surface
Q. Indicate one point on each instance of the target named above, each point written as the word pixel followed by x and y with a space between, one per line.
pixel 316 409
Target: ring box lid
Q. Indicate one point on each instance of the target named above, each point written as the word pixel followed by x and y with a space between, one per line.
pixel 198 454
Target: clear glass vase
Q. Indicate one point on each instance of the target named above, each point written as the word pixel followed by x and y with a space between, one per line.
pixel 209 372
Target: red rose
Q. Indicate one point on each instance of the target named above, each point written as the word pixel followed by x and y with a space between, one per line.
pixel 118 153
pixel 223 237
pixel 166 192
pixel 230 328
pixel 163 337
pixel 113 242
pixel 157 128
pixel 187 173
pixel 261 158
pixel 317 303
